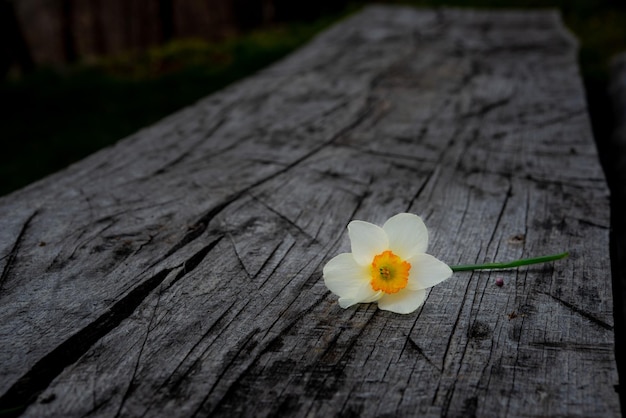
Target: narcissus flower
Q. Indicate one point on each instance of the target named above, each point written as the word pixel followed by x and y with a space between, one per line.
pixel 387 265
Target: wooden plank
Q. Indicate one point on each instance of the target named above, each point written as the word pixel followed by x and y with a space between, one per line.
pixel 616 172
pixel 179 272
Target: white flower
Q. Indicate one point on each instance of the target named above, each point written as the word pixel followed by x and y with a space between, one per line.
pixel 387 265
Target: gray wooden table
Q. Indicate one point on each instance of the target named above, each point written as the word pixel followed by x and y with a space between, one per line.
pixel 179 273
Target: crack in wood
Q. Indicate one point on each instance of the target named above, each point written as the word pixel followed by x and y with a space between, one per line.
pixel 573 346
pixel 421 352
pixel 271 273
pixel 272 345
pixel 15 249
pixel 562 118
pixel 200 226
pixel 188 152
pixel 131 383
pixel 515 367
pixel 289 222
pixel 191 263
pixel 581 312
pixel 486 108
pixel 201 409
pixel 26 389
pixel 177 377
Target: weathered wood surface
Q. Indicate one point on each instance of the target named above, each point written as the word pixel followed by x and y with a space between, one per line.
pixel 617 174
pixel 179 272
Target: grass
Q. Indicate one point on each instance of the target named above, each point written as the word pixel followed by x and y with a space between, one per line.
pixel 50 119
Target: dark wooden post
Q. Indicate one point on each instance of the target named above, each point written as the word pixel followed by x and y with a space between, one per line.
pixel 166 20
pixel 13 46
pixel 70 53
pixel 179 273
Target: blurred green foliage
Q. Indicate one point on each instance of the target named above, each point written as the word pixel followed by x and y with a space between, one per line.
pixel 50 119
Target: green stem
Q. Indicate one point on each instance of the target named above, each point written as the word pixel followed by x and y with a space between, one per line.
pixel 511 264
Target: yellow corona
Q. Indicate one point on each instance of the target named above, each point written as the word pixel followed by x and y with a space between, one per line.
pixel 389 272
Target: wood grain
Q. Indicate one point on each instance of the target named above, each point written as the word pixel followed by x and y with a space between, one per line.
pixel 616 173
pixel 178 273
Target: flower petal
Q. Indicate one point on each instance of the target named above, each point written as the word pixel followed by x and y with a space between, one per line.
pixel 407 234
pixel 365 294
pixel 367 240
pixel 427 271
pixel 403 302
pixel 350 281
pixel 343 276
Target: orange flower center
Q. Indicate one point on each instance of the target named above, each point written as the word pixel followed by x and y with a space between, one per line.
pixel 389 272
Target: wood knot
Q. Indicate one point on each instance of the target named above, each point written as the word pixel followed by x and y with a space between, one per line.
pixel 479 331
pixel 517 239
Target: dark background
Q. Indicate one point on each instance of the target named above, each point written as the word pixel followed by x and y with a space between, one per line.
pixel 78 75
